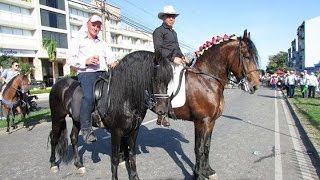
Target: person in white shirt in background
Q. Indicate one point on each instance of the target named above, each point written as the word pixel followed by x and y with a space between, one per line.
pixel 291 81
pixel 312 83
pixel 303 83
pixel 91 56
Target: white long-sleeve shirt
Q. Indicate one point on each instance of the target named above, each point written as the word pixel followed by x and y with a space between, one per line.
pixel 83 48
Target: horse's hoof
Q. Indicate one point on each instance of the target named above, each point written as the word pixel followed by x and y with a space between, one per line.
pixel 213 177
pixel 82 170
pixel 54 169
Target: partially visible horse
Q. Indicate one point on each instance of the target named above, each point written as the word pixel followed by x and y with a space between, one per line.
pixel 13 98
pixel 139 81
pixel 205 84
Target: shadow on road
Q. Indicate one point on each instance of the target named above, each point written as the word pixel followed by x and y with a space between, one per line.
pixel 168 139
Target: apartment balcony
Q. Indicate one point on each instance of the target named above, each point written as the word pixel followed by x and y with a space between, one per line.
pixel 19 42
pixel 28 4
pixel 19 21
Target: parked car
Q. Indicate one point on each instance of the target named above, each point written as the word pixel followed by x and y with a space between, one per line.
pixel 35 84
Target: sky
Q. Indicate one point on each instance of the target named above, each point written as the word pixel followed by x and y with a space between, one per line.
pixel 273 24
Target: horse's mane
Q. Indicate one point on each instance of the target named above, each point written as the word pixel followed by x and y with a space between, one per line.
pixel 252 49
pixel 217 41
pixel 133 75
pixel 10 83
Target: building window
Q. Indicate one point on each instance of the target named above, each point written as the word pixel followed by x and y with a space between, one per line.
pixel 53 19
pixel 125 38
pixel 78 12
pixel 58 4
pixel 60 38
pixel 113 49
pixel 15 31
pixel 114 39
pixel 14 9
pixel 126 51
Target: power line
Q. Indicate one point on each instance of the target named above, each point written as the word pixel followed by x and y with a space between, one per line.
pixel 147 29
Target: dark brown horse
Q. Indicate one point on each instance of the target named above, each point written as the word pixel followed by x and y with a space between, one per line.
pixel 205 84
pixel 12 98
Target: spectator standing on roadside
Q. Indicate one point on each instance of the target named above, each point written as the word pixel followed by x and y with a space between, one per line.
pixel 312 83
pixel 291 81
pixel 303 84
pixel 273 82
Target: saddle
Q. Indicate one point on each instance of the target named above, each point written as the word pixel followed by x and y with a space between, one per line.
pixel 99 88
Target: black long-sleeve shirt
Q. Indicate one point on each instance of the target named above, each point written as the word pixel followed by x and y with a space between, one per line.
pixel 165 41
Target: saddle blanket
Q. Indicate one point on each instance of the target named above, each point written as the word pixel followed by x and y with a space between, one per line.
pixel 180 99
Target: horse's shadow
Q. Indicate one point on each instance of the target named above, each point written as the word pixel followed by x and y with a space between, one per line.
pixel 168 139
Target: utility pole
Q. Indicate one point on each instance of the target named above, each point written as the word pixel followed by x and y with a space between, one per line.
pixel 104 11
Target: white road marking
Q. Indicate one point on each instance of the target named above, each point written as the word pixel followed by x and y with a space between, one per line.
pixel 277 149
pixel 296 145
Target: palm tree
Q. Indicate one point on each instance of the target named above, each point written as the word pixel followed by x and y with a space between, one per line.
pixel 51 46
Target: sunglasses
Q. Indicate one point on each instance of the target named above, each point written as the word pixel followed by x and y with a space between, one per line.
pixel 17 65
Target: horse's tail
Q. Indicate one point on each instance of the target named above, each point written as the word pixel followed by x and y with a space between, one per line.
pixel 59 141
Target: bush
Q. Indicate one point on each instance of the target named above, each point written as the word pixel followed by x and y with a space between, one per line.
pixel 40 91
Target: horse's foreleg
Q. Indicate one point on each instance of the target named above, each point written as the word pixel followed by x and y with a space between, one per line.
pixel 8 124
pixel 22 111
pixel 74 141
pixel 116 137
pixel 203 132
pixel 132 156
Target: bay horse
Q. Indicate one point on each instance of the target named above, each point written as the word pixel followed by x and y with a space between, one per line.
pixel 205 84
pixel 137 83
pixel 13 99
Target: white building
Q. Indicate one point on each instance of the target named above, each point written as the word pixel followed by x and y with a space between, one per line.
pixel 25 23
pixel 308 44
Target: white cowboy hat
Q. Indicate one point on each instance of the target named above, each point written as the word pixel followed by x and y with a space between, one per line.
pixel 167 10
pixel 95 18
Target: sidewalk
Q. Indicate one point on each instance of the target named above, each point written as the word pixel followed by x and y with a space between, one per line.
pixel 314 149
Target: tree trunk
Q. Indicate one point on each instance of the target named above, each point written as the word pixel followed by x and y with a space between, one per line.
pixel 53 73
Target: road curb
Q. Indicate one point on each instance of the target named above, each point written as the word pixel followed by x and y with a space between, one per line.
pixel 313 147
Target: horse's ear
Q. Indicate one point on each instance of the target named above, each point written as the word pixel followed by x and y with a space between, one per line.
pixel 245 35
pixel 249 35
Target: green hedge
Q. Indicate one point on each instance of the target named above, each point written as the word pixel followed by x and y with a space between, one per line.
pixel 40 91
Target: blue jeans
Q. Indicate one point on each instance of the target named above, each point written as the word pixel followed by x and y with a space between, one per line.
pixel 291 91
pixel 86 83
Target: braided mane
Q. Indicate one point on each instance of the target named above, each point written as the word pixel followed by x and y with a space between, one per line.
pixel 214 41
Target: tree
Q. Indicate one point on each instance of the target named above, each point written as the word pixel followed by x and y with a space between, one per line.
pixel 51 46
pixel 278 61
pixel 5 61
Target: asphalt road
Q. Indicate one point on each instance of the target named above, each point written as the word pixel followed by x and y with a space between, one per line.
pixel 255 138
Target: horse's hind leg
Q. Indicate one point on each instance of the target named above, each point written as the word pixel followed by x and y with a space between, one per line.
pixel 116 137
pixel 59 140
pixel 202 169
pixel 132 168
pixel 74 141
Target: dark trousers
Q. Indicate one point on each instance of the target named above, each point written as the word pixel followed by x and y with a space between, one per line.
pixel 291 90
pixel 87 81
pixel 312 91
